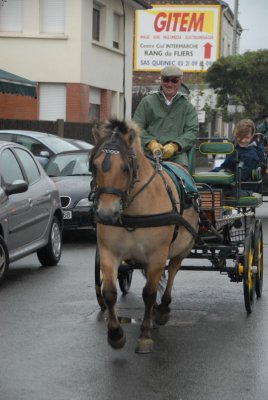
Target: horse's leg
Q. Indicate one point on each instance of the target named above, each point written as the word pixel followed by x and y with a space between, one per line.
pixel 163 310
pixel 149 293
pixel 116 337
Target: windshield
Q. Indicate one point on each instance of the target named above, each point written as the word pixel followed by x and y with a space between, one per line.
pixel 58 145
pixel 68 165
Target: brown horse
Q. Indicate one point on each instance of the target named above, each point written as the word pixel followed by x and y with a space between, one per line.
pixel 135 207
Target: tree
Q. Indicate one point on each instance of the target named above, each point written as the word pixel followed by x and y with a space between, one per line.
pixel 241 79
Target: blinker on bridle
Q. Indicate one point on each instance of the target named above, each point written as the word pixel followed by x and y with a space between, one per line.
pixel 111 148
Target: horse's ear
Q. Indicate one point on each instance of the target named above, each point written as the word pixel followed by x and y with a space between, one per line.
pixel 96 132
pixel 99 131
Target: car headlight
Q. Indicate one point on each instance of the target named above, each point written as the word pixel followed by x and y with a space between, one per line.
pixel 84 203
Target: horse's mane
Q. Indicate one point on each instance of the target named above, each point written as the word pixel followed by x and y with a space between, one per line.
pixel 115 125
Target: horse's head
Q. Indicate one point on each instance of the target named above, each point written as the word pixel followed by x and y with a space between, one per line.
pixel 114 168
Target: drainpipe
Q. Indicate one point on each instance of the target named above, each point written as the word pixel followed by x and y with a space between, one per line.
pixel 234 50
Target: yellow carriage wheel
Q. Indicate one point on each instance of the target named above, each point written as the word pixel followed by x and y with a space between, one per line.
pixel 249 275
pixel 258 256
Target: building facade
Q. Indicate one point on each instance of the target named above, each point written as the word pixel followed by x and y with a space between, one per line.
pixel 79 52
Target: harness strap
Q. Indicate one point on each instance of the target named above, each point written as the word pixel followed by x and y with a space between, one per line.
pixel 143 187
pixel 155 220
pixel 111 190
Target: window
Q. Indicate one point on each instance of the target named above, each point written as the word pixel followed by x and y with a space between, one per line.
pixel 52 16
pixel 96 23
pixel 29 165
pixel 116 31
pixel 11 16
pixel 7 136
pixel 10 169
pixel 94 104
pixel 94 112
pixel 223 47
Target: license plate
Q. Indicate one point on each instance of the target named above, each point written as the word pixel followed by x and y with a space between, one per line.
pixel 67 214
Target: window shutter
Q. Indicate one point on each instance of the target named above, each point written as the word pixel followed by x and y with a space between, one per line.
pixel 11 16
pixel 52 16
pixel 52 104
pixel 94 95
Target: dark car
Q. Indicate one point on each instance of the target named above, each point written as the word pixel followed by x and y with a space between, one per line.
pixel 42 145
pixel 30 210
pixel 70 173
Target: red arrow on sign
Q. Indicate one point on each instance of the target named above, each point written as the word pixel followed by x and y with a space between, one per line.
pixel 207 53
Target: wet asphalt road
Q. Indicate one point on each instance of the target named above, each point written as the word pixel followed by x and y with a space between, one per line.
pixel 53 336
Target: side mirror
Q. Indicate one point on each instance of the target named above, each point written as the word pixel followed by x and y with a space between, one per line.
pixel 44 153
pixel 18 186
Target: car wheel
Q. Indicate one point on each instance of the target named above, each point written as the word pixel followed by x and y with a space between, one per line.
pixel 4 259
pixel 50 254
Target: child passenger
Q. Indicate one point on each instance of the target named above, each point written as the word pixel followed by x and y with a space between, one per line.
pixel 249 151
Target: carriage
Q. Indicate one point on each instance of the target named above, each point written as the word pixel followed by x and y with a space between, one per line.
pixel 226 234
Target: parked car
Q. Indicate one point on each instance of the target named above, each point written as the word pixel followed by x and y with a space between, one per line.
pixel 42 145
pixel 30 210
pixel 80 144
pixel 70 173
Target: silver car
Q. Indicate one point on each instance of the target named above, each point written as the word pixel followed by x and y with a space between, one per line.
pixel 42 145
pixel 30 210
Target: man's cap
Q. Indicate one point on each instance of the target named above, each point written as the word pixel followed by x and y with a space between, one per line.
pixel 171 71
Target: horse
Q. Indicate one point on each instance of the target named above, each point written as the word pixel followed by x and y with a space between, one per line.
pixel 135 205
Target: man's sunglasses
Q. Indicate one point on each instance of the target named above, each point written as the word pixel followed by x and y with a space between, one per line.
pixel 173 80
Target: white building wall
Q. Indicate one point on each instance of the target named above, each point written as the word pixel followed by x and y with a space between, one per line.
pixel 103 66
pixel 72 56
pixel 40 56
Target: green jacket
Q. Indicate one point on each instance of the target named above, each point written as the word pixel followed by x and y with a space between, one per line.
pixel 176 123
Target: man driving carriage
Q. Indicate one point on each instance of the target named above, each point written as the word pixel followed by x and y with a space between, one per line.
pixel 168 121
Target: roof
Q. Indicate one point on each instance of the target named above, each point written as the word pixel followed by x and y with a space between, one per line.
pixel 27 133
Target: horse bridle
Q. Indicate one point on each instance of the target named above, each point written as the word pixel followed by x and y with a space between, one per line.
pixel 111 148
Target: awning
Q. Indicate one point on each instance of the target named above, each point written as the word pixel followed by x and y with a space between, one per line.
pixel 14 84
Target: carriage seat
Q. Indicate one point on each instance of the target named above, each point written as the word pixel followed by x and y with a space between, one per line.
pixel 251 200
pixel 227 180
pixel 221 178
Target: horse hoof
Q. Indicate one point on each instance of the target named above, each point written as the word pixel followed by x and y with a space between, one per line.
pixel 117 344
pixel 144 346
pixel 116 338
pixel 161 318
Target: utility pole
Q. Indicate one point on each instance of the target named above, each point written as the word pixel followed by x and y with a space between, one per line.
pixel 234 50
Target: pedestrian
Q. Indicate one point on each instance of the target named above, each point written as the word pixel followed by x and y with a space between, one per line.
pixel 248 152
pixel 168 121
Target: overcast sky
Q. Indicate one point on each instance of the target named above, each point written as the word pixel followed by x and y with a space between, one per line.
pixel 253 17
